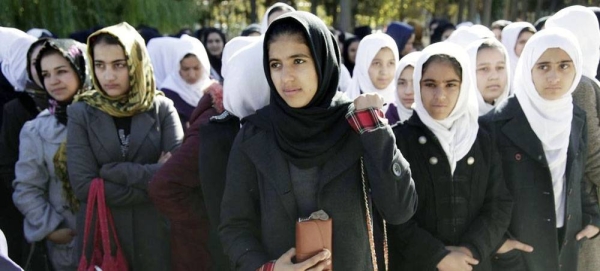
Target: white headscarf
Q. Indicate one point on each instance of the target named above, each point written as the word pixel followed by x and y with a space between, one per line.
pixel 408 60
pixel 582 23
pixel 264 24
pixel 550 120
pixel 13 55
pixel 161 55
pixel 368 47
pixel 233 46
pixel 510 34
pixel 39 32
pixel 191 94
pixel 246 88
pixel 468 34
pixel 458 131
pixel 472 50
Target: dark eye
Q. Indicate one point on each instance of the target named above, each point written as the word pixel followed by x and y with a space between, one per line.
pixel 299 61
pixel 120 65
pixel 430 85
pixel 543 67
pixel 500 68
pixel 484 69
pixel 275 65
pixel 45 75
pixel 99 66
pixel 565 66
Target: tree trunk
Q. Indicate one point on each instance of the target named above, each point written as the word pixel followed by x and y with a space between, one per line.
pixel 487 13
pixel 472 11
pixel 461 11
pixel 253 16
pixel 313 6
pixel 538 9
pixel 346 8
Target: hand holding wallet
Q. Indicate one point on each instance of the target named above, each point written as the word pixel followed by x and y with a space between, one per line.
pixel 313 234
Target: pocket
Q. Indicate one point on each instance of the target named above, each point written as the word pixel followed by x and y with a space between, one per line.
pixel 509 261
pixel 518 168
pixel 62 256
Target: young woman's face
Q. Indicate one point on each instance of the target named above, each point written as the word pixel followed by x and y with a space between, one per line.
pixel 190 69
pixel 521 41
pixel 383 68
pixel 214 44
pixel 110 69
pixel 293 70
pixel 352 48
pixel 491 74
pixel 60 80
pixel 440 88
pixel 408 47
pixel 405 87
pixel 553 74
pixel 32 61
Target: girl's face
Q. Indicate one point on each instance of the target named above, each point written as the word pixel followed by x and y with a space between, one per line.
pixel 214 44
pixel 447 34
pixel 383 68
pixel 34 54
pixel 553 74
pixel 409 46
pixel 190 69
pixel 440 88
pixel 405 87
pixel 60 80
pixel 521 41
pixel 110 69
pixel 491 74
pixel 352 48
pixel 293 70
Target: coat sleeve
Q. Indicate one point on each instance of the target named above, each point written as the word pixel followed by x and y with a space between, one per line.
pixel 240 212
pixel 485 232
pixel 410 243
pixel 83 166
pixel 31 187
pixel 389 176
pixel 589 197
pixel 139 175
pixel 586 96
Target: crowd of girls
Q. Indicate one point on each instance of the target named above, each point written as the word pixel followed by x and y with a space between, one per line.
pixel 479 152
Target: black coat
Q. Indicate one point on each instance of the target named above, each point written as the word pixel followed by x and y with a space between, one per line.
pixel 470 208
pixel 259 210
pixel 530 183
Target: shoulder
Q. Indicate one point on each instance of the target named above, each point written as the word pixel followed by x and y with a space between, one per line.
pixel 163 103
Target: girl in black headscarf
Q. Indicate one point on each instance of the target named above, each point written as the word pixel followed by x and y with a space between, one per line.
pixel 300 154
pixel 214 40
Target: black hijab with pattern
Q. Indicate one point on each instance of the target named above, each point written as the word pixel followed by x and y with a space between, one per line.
pixel 310 135
pixel 74 52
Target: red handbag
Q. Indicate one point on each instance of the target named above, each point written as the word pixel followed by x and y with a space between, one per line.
pixel 102 257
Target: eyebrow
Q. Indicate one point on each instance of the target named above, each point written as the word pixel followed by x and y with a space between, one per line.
pixel 114 61
pixel 292 56
pixel 489 63
pixel 548 62
pixel 435 81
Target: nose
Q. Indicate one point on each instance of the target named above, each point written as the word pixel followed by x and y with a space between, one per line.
pixel 109 75
pixel 287 74
pixel 53 80
pixel 553 77
pixel 439 93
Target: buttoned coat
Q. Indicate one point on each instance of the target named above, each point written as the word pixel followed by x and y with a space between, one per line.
pixel 528 178
pixel 94 150
pixel 469 208
pixel 259 210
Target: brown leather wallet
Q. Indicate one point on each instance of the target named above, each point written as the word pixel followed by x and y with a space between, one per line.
pixel 313 234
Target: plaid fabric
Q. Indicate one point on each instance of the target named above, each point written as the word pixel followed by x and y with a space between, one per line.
pixel 269 266
pixel 366 120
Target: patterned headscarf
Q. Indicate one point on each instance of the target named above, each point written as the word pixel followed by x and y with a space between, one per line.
pixel 142 87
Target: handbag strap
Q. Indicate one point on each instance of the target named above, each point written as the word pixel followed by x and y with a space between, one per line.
pixel 89 214
pixel 106 220
pixel 370 224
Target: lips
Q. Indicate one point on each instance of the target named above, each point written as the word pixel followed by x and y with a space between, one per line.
pixel 291 91
pixel 493 87
pixel 112 86
pixel 57 90
pixel 408 101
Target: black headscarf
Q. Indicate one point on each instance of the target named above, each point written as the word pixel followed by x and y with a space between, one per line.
pixel 215 61
pixel 349 63
pixel 310 135
pixel 437 34
pixel 73 52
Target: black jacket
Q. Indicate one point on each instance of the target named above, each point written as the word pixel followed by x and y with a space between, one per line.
pixel 530 183
pixel 259 210
pixel 470 208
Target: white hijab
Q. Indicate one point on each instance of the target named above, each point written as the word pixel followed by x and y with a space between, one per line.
pixel 161 55
pixel 246 88
pixel 191 94
pixel 468 34
pixel 264 24
pixel 408 60
pixel 13 55
pixel 458 131
pixel 582 23
pixel 472 50
pixel 368 47
pixel 550 120
pixel 510 34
